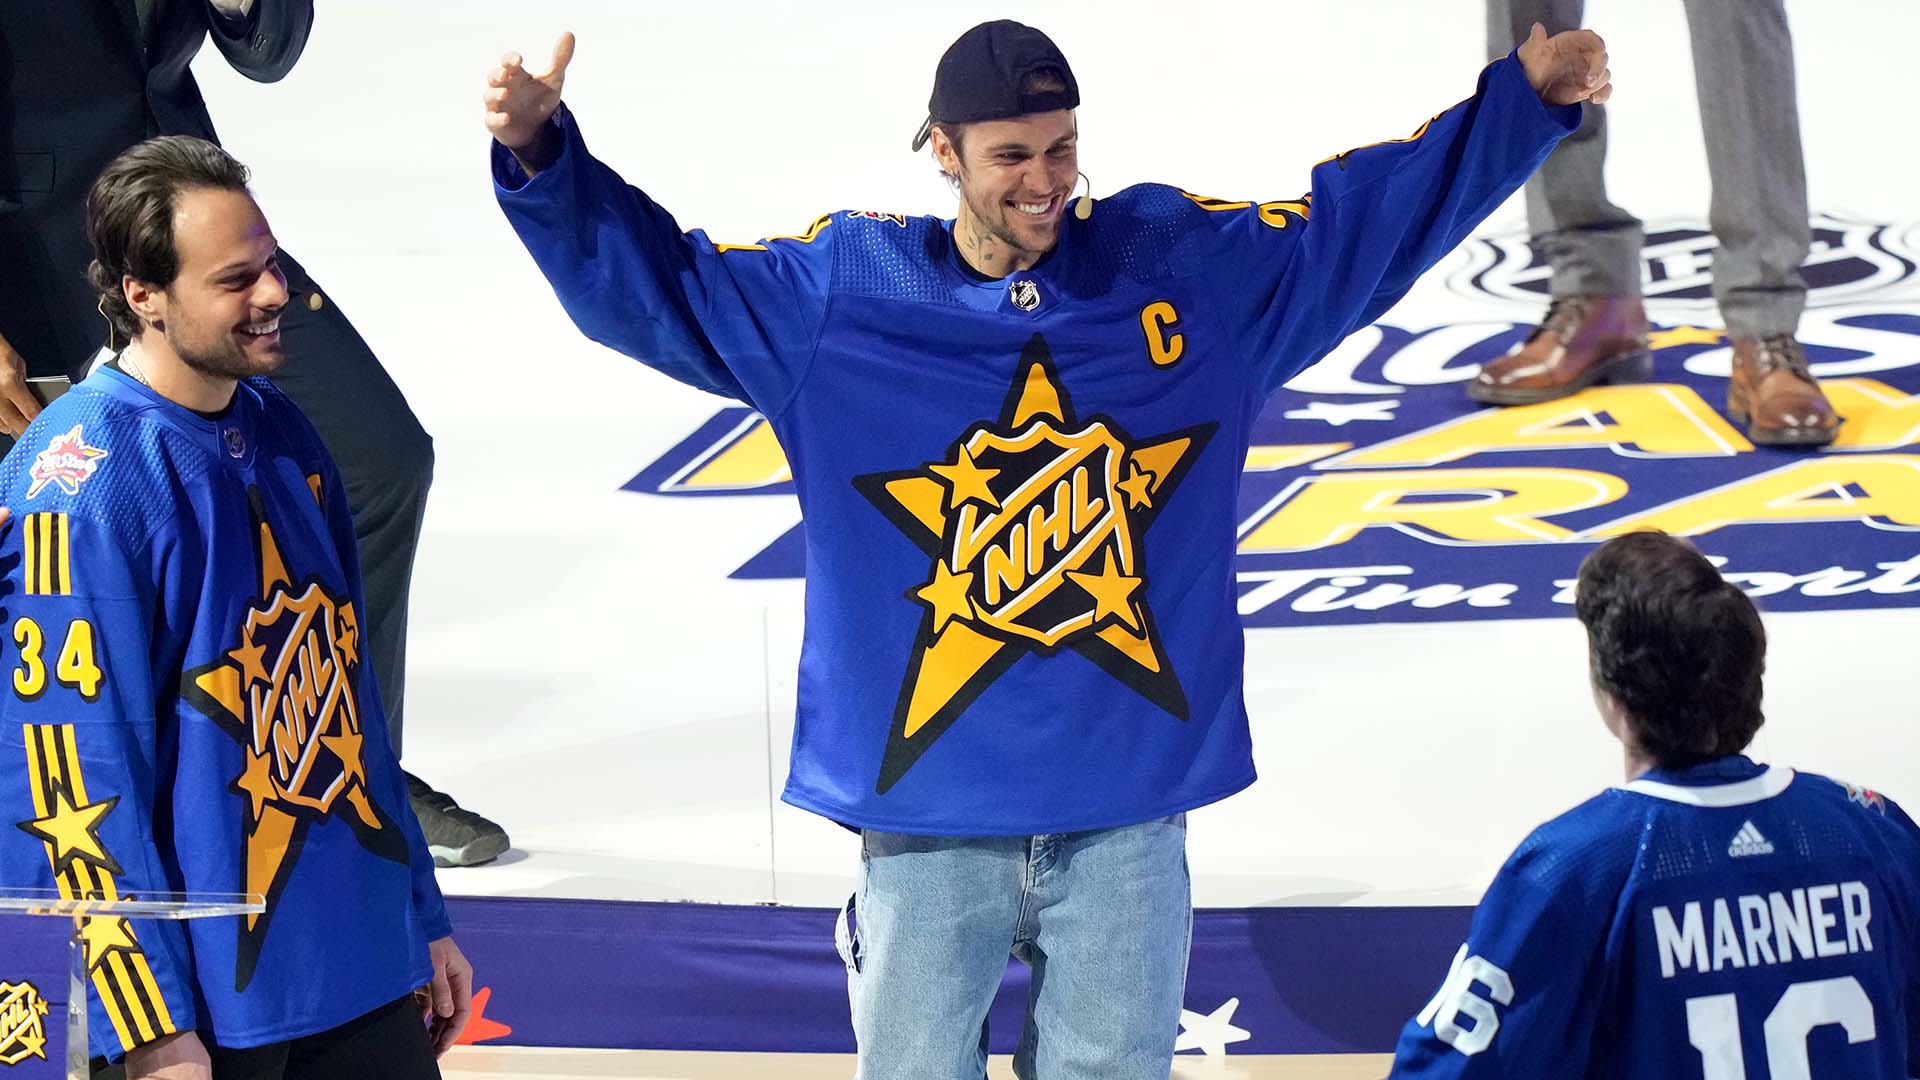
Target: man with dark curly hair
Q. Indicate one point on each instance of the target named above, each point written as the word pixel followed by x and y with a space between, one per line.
pixel 194 705
pixel 79 84
pixel 1712 916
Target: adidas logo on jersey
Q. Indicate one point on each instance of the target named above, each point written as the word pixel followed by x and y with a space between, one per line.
pixel 1748 841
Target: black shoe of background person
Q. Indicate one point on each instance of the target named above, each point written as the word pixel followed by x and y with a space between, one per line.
pixel 455 836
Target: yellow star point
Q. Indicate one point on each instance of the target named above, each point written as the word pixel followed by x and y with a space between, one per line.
pixel 947 595
pixel 73 831
pixel 1138 488
pixel 257 782
pixel 348 637
pixel 346 746
pixel 1682 335
pixel 1112 593
pixel 1039 396
pixel 363 806
pixel 102 935
pixel 252 660
pixel 966 481
pixel 33 1045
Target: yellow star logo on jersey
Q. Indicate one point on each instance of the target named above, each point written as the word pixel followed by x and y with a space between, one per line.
pixel 966 481
pixel 1035 523
pixel 252 660
pixel 1112 594
pixel 946 594
pixel 1138 488
pixel 288 692
pixel 72 832
pixel 103 934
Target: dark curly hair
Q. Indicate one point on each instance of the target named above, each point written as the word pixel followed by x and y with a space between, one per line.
pixel 1677 645
pixel 130 215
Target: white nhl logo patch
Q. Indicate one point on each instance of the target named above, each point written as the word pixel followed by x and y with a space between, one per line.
pixel 1024 294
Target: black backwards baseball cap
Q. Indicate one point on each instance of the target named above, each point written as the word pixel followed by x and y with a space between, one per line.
pixel 979 77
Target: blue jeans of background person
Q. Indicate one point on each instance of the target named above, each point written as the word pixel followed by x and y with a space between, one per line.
pixel 1104 918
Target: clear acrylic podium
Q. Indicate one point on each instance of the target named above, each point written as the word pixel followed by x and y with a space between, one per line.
pixel 18 1013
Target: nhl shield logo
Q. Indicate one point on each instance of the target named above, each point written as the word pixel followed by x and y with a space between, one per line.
pixel 1033 523
pixel 304 697
pixel 286 693
pixel 23 1023
pixel 1063 520
pixel 1024 294
pixel 1849 260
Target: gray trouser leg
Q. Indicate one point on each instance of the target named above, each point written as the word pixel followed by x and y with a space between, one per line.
pixel 1743 65
pixel 1592 245
pixel 385 459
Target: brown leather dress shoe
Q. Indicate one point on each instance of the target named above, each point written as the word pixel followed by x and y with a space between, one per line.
pixel 1583 340
pixel 1773 393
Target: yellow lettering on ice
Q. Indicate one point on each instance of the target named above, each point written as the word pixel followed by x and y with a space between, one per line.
pixel 1633 421
pixel 1448 506
pixel 1881 490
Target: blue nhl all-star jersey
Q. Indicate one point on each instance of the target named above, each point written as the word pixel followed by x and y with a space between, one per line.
pixel 188 708
pixel 1724 922
pixel 1019 495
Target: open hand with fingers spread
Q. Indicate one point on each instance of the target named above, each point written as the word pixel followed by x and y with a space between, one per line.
pixel 519 104
pixel 1567 68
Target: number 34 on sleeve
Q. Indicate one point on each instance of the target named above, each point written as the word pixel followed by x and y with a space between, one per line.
pixel 73 667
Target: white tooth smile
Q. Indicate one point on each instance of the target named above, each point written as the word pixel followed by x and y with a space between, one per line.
pixel 264 328
pixel 1035 209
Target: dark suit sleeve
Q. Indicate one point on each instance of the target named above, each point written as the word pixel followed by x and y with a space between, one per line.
pixel 265 45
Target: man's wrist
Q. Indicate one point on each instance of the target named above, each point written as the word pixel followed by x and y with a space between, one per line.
pixel 545 149
pixel 179 1048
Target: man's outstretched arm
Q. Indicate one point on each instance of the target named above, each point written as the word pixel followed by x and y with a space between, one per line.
pixel 1381 215
pixel 736 319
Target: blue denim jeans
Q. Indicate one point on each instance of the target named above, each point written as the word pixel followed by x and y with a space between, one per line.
pixel 1104 919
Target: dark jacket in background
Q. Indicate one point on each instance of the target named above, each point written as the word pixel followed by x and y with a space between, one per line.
pixel 80 81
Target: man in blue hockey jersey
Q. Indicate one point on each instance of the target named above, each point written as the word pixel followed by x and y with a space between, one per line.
pixel 1712 918
pixel 1017 437
pixel 191 709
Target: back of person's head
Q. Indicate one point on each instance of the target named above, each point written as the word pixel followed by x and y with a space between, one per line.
pixel 130 212
pixel 1679 647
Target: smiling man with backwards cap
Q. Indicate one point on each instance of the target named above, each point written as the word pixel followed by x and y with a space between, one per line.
pixel 1017 438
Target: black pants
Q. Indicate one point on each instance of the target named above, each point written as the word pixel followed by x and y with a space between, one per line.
pixel 389 1043
pixel 385 458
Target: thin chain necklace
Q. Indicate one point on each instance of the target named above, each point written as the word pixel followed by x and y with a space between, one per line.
pixel 128 365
